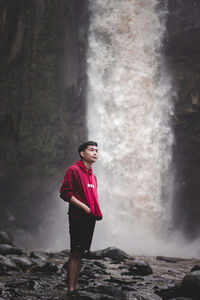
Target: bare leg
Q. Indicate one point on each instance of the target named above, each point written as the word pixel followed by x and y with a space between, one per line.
pixel 74 264
pixel 77 275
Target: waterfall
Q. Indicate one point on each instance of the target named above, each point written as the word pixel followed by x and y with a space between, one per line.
pixel 128 114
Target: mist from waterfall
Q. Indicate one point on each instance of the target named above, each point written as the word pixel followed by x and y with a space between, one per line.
pixel 128 114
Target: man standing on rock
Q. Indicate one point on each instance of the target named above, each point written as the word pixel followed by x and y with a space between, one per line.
pixel 79 188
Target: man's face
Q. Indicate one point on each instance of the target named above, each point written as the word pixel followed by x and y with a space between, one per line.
pixel 90 154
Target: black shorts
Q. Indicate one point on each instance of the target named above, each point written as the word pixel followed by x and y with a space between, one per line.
pixel 81 233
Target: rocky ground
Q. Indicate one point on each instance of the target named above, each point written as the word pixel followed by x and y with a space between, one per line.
pixel 105 274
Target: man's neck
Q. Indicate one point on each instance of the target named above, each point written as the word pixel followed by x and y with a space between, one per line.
pixel 87 164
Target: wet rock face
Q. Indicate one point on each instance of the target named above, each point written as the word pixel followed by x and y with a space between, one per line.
pixel 42 109
pixel 182 53
pixel 183 22
pixel 43 275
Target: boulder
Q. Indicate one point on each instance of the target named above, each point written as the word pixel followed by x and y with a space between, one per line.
pixel 168 259
pixel 145 296
pixel 37 256
pixel 5 238
pixel 104 292
pixel 87 274
pixel 139 268
pixel 190 285
pixel 195 268
pixel 49 268
pixel 22 262
pixel 74 295
pixel 93 296
pixel 111 252
pixel 8 249
pixel 6 264
pixel 167 291
pixel 99 264
pixel 115 254
pixel 34 285
pixel 93 254
pixel 65 252
pixel 90 270
pixel 181 298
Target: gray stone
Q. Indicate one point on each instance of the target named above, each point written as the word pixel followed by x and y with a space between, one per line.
pixel 195 268
pixel 105 292
pixel 6 264
pixel 65 252
pixel 181 298
pixel 190 286
pixel 8 249
pixel 5 238
pixel 168 259
pixel 111 252
pixel 90 296
pixel 139 267
pixel 167 291
pixel 22 262
pixel 34 285
pixel 115 254
pixel 144 296
pixel 49 268
pixel 38 256
pixel 99 264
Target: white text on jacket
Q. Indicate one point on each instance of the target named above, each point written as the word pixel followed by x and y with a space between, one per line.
pixel 91 185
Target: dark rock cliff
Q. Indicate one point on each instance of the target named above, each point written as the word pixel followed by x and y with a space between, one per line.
pixel 42 110
pixel 183 54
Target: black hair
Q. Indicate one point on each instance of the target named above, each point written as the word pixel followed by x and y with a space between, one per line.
pixel 84 146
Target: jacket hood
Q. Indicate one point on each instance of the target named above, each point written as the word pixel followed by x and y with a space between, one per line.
pixel 81 165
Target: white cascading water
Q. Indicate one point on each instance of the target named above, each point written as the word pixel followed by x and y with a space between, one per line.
pixel 129 108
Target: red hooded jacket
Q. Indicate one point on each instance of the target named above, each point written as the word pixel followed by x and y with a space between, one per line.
pixel 82 184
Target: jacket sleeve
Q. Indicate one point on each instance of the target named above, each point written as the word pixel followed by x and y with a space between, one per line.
pixel 67 187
